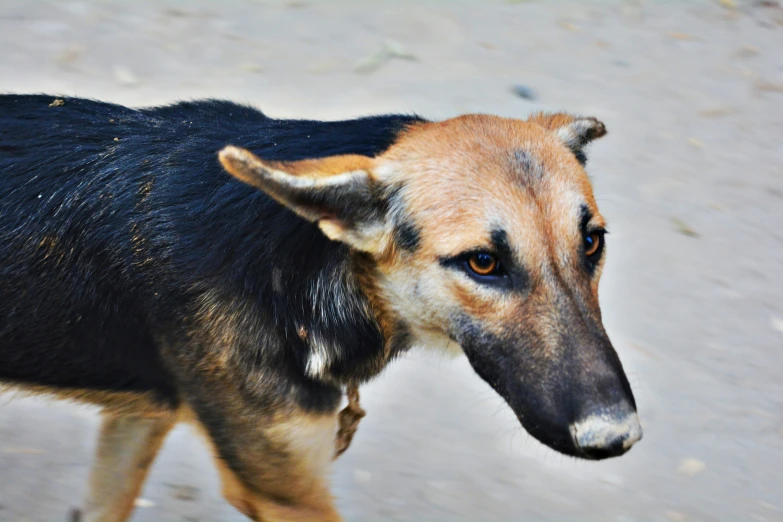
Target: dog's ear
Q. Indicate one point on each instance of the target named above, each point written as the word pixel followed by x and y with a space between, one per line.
pixel 574 131
pixel 337 192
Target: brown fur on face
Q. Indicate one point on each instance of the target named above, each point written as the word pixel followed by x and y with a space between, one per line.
pixel 516 190
pixel 463 177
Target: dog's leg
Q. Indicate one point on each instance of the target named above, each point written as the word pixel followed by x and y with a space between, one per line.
pixel 272 455
pixel 276 472
pixel 126 448
pixel 314 503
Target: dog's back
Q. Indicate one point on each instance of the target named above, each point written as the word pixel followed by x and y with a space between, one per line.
pixel 72 303
pixel 112 220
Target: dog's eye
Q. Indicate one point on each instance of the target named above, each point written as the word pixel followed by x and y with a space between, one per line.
pixel 483 264
pixel 593 243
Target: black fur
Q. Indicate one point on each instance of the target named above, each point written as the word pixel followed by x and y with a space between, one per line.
pixel 407 236
pixel 519 279
pixel 581 157
pixel 118 225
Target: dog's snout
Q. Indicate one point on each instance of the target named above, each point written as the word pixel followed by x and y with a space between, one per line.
pixel 607 434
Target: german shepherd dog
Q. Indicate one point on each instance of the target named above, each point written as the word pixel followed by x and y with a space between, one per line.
pixel 138 275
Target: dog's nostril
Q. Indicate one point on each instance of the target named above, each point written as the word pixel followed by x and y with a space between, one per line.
pixel 614 449
pixel 604 436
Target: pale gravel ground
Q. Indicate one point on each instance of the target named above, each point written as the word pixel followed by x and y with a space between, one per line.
pixel 692 94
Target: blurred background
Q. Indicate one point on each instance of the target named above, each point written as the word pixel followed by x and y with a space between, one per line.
pixel 689 179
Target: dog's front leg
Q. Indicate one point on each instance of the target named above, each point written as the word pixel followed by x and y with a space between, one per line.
pixel 272 452
pixel 127 445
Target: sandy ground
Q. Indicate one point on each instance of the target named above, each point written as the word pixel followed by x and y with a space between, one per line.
pixel 689 178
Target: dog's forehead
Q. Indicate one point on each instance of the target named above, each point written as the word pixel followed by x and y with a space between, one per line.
pixel 467 176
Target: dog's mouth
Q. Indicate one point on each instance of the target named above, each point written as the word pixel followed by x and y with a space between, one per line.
pixel 579 404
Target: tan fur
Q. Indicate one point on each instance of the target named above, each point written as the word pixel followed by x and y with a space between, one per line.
pixel 243 164
pixel 224 324
pixel 324 167
pixel 552 121
pixel 291 490
pixel 367 277
pixel 461 175
pixel 348 420
pixel 117 403
pixel 126 448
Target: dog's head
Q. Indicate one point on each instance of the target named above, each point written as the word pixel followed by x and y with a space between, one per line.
pixel 485 235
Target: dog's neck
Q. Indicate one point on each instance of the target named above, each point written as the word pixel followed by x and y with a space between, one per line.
pixel 326 307
pixel 347 331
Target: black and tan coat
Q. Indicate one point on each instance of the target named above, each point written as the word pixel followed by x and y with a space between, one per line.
pixel 136 274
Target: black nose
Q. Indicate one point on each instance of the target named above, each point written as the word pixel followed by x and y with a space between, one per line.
pixel 607 434
pixel 613 449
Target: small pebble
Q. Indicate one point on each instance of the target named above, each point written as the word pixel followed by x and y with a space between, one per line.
pixel 523 91
pixel 398 50
pixel 185 492
pixel 176 13
pixel 691 467
pixel 569 26
pixel 143 503
pixel 59 102
pixel 385 52
pixel 715 112
pixel 372 62
pixel 684 37
pixel 767 86
pixel 70 54
pixel 747 51
pixel 684 229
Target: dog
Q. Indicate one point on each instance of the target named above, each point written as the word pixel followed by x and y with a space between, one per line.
pixel 204 262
